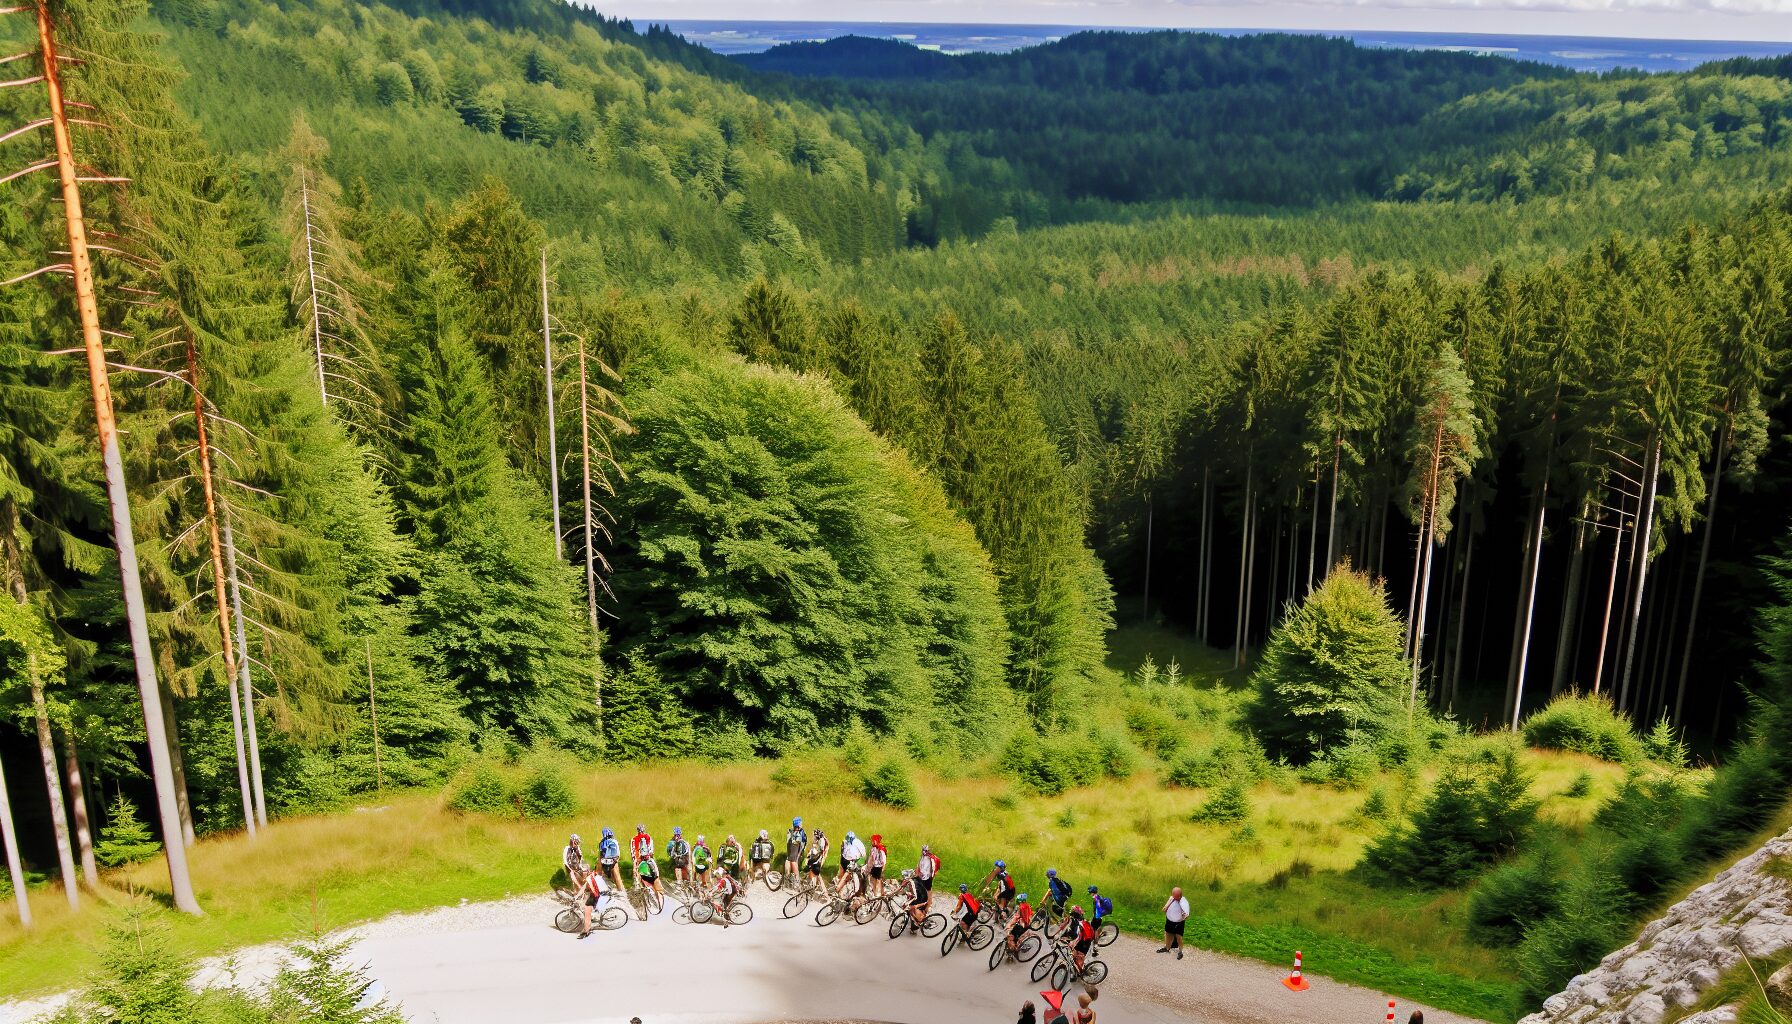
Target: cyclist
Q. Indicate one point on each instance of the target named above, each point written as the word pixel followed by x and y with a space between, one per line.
pixel 730 856
pixel 852 854
pixel 594 892
pixel 759 857
pixel 648 874
pixel 1057 889
pixel 1023 919
pixel 640 851
pixel 726 889
pixel 875 860
pixel 700 858
pixel 927 867
pixel 1001 883
pixel 1099 907
pixel 818 855
pixel 796 841
pixel 966 909
pixel 609 856
pixel 641 845
pixel 679 853
pixel 1082 936
pixel 573 857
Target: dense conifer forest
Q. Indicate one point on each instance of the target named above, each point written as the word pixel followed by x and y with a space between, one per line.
pixel 494 379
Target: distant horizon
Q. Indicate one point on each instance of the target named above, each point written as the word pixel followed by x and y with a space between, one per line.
pixel 1770 21
pixel 1217 29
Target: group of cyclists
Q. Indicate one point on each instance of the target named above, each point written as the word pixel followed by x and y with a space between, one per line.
pixel 724 873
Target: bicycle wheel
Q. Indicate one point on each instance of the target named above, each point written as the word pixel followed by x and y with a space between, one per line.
pixel 1044 966
pixel 569 920
pixel 1029 948
pixel 1061 977
pixel 613 918
pixel 985 915
pixel 997 953
pixel 933 924
pixel 866 913
pixel 898 925
pixel 981 936
pixel 566 896
pixel 796 905
pixel 950 942
pixel 1094 972
pixel 828 915
pixel 656 902
pixel 739 913
pixel 638 900
pixel 682 914
pixel 702 912
pixel 1108 933
pixel 773 880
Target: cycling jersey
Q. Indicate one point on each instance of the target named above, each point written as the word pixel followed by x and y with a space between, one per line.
pixel 594 884
pixel 1103 906
pixel 1085 934
pixel 851 853
pixel 726 886
pixel 730 856
pixel 1004 882
pixel 641 846
pixel 646 870
pixel 574 859
pixel 700 854
pixel 969 903
pixel 795 841
pixel 1023 915
pixel 608 851
pixel 818 852
pixel 877 857
pixel 928 866
pixel 761 852
pixel 679 851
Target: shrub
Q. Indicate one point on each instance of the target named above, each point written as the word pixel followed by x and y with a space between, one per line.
pixel 813 775
pixel 1476 812
pixel 319 984
pixel 1231 757
pixel 889 783
pixel 546 795
pixel 727 743
pixel 1585 725
pixel 1229 805
pixel 1350 766
pixel 126 839
pixel 1572 940
pixel 1332 669
pixel 1155 729
pixel 1115 756
pixel 1050 765
pixel 1515 896
pixel 643 718
pixel 1662 745
pixel 483 792
pixel 1580 787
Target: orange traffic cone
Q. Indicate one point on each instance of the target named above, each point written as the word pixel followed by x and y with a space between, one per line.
pixel 1294 981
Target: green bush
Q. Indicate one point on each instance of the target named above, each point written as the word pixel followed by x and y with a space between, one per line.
pixel 1589 924
pixel 126 839
pixel 889 783
pixel 1049 765
pixel 1350 766
pixel 1230 757
pixel 1580 787
pixel 1155 729
pixel 483 791
pixel 1744 793
pixel 1333 669
pixel 1662 745
pixel 1477 812
pixel 1515 896
pixel 1117 758
pixel 1585 725
pixel 546 795
pixel 1229 805
pixel 643 719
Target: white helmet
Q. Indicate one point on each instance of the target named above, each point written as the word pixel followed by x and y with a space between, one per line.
pixel 763 834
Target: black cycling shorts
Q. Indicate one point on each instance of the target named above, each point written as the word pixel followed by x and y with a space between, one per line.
pixel 969 916
pixel 813 867
pixel 923 889
pixel 1007 894
pixel 590 900
pixel 1017 928
pixel 877 872
pixel 1083 945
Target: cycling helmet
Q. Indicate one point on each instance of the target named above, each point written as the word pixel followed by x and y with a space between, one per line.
pixel 1002 865
pixel 1023 897
pixel 926 849
pixel 678 833
pixel 1076 910
pixel 849 835
pixel 819 834
pixel 908 873
pixel 609 833
pixel 763 834
pixel 702 838
pixel 1092 890
pixel 1051 872
pixel 640 830
pixel 731 838
pixel 796 823
pixel 962 887
pixel 574 839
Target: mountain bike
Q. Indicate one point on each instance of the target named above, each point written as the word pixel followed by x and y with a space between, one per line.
pixel 1107 933
pixel 1025 950
pixel 1094 972
pixel 571 919
pixel 710 909
pixel 645 899
pixel 980 936
pixel 807 891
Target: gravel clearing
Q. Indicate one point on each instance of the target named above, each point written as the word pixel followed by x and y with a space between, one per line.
pixel 503 961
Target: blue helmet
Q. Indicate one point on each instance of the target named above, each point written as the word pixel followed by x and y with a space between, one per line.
pixel 609 833
pixel 1023 897
pixel 1002 864
pixel 1051 872
pixel 678 832
pixel 963 887
pixel 1093 890
pixel 796 823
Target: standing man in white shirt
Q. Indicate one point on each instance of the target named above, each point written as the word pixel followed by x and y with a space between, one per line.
pixel 1175 921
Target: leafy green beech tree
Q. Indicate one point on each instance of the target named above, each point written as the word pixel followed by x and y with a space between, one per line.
pixel 1332 670
pixel 496 613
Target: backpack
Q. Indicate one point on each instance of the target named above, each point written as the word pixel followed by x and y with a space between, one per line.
pixel 1103 906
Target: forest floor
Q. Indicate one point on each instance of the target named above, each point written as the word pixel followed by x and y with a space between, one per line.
pixel 501 960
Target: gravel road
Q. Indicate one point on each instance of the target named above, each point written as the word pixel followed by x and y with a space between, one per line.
pixel 503 963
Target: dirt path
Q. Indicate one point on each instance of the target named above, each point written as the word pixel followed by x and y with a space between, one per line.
pixel 503 963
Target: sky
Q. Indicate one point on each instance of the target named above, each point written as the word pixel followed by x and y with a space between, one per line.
pixel 1660 19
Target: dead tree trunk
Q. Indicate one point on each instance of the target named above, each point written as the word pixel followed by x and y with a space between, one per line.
pixel 1558 678
pixel 77 806
pixel 547 365
pixel 106 430
pixel 248 686
pixel 1645 527
pixel 46 749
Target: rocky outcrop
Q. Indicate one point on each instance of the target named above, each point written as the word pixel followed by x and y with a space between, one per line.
pixel 1743 911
